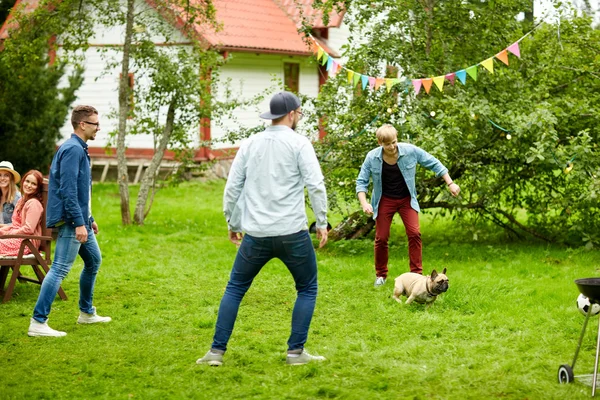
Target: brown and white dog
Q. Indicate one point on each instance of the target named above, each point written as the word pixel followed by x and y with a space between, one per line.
pixel 419 288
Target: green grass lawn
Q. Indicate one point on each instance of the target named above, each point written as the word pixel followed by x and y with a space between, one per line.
pixel 507 322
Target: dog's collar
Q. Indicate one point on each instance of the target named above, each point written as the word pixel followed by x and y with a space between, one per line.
pixel 429 293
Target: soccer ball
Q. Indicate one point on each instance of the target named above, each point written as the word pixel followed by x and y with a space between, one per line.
pixel 583 304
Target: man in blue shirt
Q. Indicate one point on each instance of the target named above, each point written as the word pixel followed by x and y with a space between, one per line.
pixel 393 166
pixel 264 197
pixel 69 210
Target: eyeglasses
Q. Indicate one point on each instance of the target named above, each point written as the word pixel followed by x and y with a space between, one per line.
pixel 300 113
pixel 96 124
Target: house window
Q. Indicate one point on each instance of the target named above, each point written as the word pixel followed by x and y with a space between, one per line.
pixel 291 76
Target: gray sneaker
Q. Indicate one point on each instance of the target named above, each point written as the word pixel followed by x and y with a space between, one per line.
pixel 85 318
pixel 380 281
pixel 303 358
pixel 212 359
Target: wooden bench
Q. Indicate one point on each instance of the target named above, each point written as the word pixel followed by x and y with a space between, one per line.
pixel 39 259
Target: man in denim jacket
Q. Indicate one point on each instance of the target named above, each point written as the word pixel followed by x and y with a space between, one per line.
pixel 69 211
pixel 393 166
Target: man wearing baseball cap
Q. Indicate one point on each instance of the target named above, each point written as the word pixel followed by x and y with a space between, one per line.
pixel 264 198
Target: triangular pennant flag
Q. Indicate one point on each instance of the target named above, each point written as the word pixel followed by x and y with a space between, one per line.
pixel 364 80
pixel 389 83
pixel 503 56
pixel 334 67
pixel 451 77
pixel 329 64
pixel 417 84
pixel 325 58
pixel 350 76
pixel 427 82
pixel 372 82
pixel 356 78
pixel 339 67
pixel 320 53
pixel 439 82
pixel 462 76
pixel 514 48
pixel 378 83
pixel 472 71
pixel 489 64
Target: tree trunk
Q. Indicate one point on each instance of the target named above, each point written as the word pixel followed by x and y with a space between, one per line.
pixel 124 94
pixel 149 176
pixel 356 226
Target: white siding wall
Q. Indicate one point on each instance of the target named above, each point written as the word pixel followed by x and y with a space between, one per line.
pixel 251 74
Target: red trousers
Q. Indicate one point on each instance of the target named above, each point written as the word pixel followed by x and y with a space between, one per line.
pixel 388 207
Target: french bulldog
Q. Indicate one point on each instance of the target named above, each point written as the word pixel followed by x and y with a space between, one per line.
pixel 419 288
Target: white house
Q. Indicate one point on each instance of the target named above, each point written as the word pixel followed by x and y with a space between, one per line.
pixel 259 37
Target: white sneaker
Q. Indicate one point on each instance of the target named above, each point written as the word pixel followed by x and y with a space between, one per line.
pixel 85 318
pixel 380 281
pixel 42 329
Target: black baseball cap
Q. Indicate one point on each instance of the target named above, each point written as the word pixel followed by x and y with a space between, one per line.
pixel 281 104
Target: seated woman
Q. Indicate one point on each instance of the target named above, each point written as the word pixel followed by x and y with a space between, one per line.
pixel 27 217
pixel 9 193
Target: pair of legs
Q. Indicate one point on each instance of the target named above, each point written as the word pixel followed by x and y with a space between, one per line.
pixel 67 248
pixel 388 207
pixel 297 253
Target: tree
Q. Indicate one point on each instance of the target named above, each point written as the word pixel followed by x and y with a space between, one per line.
pixel 177 94
pixel 35 91
pixel 521 142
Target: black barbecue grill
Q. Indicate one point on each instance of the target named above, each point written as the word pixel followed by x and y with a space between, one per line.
pixel 589 287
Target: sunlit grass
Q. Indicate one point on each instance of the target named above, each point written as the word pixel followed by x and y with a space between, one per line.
pixel 501 331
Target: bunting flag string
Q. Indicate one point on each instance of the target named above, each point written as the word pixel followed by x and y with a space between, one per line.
pixel 375 83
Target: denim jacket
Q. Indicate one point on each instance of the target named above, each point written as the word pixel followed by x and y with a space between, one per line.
pixel 408 158
pixel 69 187
pixel 6 212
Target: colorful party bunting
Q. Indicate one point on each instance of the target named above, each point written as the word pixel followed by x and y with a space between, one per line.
pixel 334 67
pixel 364 80
pixel 427 82
pixel 439 82
pixel 503 56
pixel 489 64
pixel 472 71
pixel 514 48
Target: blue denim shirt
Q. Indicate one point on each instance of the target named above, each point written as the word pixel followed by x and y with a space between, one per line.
pixel 70 185
pixel 408 158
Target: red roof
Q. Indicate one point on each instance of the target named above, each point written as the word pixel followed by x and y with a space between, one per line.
pixel 29 5
pixel 264 26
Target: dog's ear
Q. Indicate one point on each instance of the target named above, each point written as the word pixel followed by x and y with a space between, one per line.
pixel 444 271
pixel 433 274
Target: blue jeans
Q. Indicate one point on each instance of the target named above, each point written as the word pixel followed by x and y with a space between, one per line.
pixel 67 248
pixel 297 253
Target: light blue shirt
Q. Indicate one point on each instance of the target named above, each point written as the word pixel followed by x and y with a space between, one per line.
pixel 408 158
pixel 264 194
